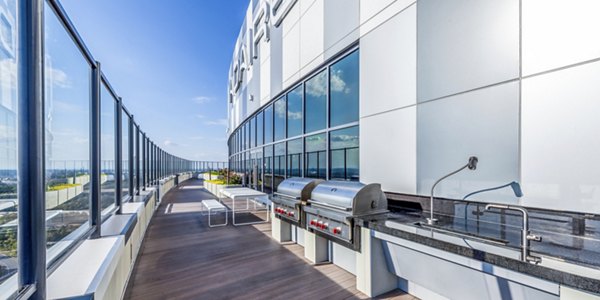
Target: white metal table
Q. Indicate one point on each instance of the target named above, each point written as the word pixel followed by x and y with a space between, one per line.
pixel 249 195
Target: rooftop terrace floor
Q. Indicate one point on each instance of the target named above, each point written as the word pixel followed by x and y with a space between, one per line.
pixel 182 258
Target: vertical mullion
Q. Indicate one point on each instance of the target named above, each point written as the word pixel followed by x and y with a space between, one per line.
pixel 119 153
pixel 130 141
pixel 95 155
pixel 31 231
pixel 137 159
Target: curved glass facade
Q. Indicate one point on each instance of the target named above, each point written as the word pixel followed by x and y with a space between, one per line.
pixel 310 130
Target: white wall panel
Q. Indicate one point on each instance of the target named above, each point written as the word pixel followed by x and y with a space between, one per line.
pixel 388 65
pixel 557 33
pixel 482 123
pixel 372 15
pixel 291 56
pixel 311 35
pixel 265 82
pixel 369 8
pixel 465 44
pixel 560 140
pixel 388 150
pixel 341 25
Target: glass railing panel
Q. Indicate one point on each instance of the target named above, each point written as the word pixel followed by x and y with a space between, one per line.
pixel 8 146
pixel 67 119
pixel 107 149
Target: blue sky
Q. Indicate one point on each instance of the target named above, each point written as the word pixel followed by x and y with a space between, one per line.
pixel 168 60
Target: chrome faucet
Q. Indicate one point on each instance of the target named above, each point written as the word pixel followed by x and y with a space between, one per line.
pixel 472 165
pixel 526 236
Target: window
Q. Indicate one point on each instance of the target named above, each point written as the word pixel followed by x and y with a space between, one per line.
pixel 343 87
pixel 294 160
pixel 125 153
pixel 294 112
pixel 268 152
pixel 107 148
pixel 279 164
pixel 315 108
pixel 343 154
pixel 315 156
pixel 260 128
pixel 252 126
pixel 269 124
pixel 67 150
pixel 280 112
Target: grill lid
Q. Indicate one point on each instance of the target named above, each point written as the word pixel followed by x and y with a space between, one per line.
pixel 297 187
pixel 354 197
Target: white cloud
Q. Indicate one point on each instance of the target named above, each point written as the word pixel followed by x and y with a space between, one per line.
pixel 337 82
pixel 202 99
pixel 317 86
pixel 168 142
pixel 199 116
pixel 219 122
pixel 58 78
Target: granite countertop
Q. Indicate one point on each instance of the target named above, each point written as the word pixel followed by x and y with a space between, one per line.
pixel 378 223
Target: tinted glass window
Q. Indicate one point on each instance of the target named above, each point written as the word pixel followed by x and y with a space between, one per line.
pixel 252 128
pixel 315 107
pixel 294 112
pixel 280 112
pixel 269 124
pixel 259 128
pixel 315 156
pixel 294 162
pixel 343 145
pixel 343 86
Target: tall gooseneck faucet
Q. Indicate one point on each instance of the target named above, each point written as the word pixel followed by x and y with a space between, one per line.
pixel 472 165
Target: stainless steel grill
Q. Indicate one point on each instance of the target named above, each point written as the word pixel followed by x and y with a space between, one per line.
pixel 334 204
pixel 290 197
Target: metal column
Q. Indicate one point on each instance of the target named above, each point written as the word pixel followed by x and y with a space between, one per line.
pixel 95 159
pixel 31 185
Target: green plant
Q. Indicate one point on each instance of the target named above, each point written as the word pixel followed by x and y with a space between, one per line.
pixel 62 186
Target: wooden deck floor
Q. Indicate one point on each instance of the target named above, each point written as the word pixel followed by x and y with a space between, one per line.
pixel 182 258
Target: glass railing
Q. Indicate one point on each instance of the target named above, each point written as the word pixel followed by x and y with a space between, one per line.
pixel 78 188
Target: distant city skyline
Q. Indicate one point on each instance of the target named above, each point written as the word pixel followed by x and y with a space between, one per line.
pixel 177 65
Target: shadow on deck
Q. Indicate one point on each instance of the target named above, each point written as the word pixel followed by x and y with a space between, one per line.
pixel 182 258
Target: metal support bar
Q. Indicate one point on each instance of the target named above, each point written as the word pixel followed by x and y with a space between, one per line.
pixel 130 159
pixel 31 184
pixel 145 160
pixel 137 159
pixel 95 159
pixel 118 154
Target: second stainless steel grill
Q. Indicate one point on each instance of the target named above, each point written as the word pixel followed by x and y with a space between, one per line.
pixel 291 195
pixel 333 205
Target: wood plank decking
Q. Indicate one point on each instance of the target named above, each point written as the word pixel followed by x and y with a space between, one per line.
pixel 182 258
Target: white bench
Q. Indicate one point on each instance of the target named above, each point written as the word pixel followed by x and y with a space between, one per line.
pixel 212 205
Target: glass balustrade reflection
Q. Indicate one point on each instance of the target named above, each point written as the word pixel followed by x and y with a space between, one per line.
pixel 67 119
pixel 8 141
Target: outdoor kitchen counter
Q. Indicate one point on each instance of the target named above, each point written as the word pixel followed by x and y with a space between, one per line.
pixel 402 225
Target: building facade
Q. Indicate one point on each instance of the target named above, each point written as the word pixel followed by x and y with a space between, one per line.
pixel 403 92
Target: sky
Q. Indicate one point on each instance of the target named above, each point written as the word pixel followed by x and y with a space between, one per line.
pixel 169 62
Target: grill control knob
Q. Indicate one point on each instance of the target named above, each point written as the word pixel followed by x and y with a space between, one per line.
pixel 325 225
pixel 313 222
pixel 320 224
pixel 337 230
